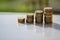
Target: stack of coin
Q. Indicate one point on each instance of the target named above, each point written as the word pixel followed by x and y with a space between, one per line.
pixel 48 15
pixel 30 18
pixel 39 16
pixel 21 19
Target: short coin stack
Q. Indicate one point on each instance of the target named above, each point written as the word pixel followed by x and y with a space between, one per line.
pixel 48 15
pixel 21 19
pixel 39 16
pixel 30 18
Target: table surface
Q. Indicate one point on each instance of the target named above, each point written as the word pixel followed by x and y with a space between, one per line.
pixel 10 29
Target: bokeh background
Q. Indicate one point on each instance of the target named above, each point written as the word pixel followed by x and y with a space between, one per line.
pixel 28 5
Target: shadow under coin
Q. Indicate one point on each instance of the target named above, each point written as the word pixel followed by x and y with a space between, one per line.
pixel 20 27
pixel 20 24
pixel 56 26
pixel 38 28
pixel 53 25
pixel 39 25
pixel 48 25
pixel 48 30
pixel 29 26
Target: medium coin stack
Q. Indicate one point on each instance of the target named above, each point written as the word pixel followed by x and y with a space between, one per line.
pixel 30 18
pixel 39 16
pixel 48 15
pixel 21 19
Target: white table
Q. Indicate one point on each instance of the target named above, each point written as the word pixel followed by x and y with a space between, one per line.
pixel 10 29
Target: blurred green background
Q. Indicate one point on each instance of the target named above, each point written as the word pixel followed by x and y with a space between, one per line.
pixel 28 5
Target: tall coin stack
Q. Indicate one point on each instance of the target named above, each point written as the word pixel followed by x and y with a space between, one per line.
pixel 48 15
pixel 39 16
pixel 30 18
